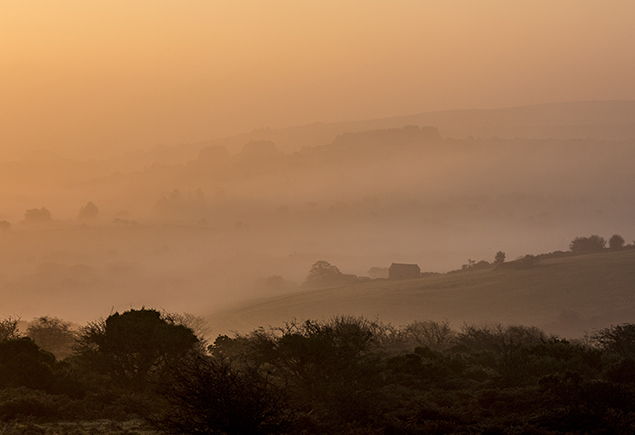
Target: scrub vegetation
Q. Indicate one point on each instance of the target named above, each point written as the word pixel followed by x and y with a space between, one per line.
pixel 146 372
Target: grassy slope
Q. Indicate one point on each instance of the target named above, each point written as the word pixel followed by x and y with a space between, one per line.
pixel 567 295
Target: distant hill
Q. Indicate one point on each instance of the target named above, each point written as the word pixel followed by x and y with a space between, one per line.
pixel 567 295
pixel 607 120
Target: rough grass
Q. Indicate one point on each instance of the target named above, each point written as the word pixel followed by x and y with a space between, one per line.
pixel 98 427
pixel 565 295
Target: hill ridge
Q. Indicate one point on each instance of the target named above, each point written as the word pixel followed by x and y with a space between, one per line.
pixel 566 295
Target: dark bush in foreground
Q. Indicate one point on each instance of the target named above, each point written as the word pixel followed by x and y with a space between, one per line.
pixel 24 364
pixel 132 348
pixel 206 395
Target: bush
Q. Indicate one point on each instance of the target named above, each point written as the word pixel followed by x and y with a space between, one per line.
pixel 618 339
pixel 435 335
pixel 206 395
pixel 53 335
pixel 135 346
pixel 24 364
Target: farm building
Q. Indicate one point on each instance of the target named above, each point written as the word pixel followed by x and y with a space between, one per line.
pixel 404 271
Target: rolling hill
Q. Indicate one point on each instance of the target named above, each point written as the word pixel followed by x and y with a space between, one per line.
pixel 606 120
pixel 566 295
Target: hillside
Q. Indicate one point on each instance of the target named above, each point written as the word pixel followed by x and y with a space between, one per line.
pixel 607 120
pixel 567 295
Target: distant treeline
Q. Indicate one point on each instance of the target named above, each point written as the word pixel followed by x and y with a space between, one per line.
pixel 345 375
pixel 579 245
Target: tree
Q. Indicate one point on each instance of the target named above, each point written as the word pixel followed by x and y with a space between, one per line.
pixel 616 242
pixel 428 333
pixel 135 346
pixel 592 243
pixel 499 258
pixel 53 335
pixel 37 216
pixel 5 225
pixel 89 211
pixel 9 328
pixel 618 339
pixel 324 274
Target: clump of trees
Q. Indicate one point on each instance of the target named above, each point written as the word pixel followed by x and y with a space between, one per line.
pixel 476 265
pixel 37 216
pixel 592 243
pixel 88 211
pixel 323 274
pixel 595 243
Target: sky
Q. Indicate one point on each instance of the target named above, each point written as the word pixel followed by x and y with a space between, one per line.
pixel 94 78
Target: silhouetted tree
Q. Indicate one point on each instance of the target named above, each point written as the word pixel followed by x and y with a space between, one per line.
pixel 5 225
pixel 592 243
pixel 37 216
pixel 324 274
pixel 499 258
pixel 89 211
pixel 435 335
pixel 616 241
pixel 133 346
pixel 9 328
pixel 53 335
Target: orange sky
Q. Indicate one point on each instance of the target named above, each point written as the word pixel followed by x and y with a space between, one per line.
pixel 85 78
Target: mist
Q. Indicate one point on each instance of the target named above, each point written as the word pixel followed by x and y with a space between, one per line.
pixel 193 157
pixel 200 227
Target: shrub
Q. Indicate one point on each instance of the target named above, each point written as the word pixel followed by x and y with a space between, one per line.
pixel 24 364
pixel 21 403
pixel 435 335
pixel 618 339
pixel 53 335
pixel 135 346
pixel 207 395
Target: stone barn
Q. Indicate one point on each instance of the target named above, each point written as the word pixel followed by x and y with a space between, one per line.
pixel 404 271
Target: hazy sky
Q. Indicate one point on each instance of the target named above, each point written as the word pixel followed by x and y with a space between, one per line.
pixel 92 77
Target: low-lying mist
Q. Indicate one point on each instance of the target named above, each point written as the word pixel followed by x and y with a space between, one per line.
pixel 207 231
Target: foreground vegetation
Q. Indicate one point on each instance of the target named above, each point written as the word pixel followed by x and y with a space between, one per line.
pixel 147 372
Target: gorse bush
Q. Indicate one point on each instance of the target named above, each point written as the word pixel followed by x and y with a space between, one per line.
pixel 207 395
pixel 133 347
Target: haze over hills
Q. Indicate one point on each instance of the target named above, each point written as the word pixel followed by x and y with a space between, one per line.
pixel 607 120
pixel 198 227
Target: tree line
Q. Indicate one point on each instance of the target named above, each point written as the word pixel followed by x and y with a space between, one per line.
pixel 344 375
